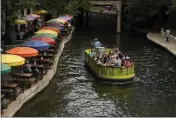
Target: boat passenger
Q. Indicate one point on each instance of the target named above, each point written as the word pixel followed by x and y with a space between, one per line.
pixel 119 62
pixel 96 43
pixel 91 53
pixel 99 61
pixel 104 59
pixel 127 63
pixel 123 63
pixel 114 61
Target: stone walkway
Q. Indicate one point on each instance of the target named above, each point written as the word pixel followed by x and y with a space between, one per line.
pixel 159 40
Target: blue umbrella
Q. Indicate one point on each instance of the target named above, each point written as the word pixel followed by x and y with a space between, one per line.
pixel 39 45
pixel 60 28
pixel 66 18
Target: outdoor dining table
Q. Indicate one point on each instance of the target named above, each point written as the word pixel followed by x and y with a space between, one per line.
pixel 53 51
pixel 41 67
pixel 2 96
pixel 4 101
pixel 22 77
pixel 46 62
pixel 12 88
pixel 45 56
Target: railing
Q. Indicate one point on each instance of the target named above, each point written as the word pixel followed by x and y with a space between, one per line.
pixel 111 72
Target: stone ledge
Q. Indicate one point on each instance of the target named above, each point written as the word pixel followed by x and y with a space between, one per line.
pixel 28 94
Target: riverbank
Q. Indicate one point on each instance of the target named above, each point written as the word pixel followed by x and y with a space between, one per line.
pixel 28 94
pixel 159 40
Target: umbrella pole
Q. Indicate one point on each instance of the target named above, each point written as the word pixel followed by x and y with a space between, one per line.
pixel 6 79
pixel 22 69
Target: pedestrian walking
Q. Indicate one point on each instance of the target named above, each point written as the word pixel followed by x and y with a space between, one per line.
pixel 166 36
pixel 21 35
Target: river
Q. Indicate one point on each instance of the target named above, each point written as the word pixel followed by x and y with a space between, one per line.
pixel 74 91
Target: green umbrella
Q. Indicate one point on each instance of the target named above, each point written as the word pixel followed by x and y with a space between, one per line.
pixel 54 21
pixel 5 69
pixel 47 35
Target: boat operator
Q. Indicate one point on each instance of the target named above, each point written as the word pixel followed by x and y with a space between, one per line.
pixel 96 43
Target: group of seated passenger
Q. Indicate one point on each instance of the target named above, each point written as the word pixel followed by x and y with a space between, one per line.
pixel 113 58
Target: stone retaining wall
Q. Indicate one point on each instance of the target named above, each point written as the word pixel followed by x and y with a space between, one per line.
pixel 28 94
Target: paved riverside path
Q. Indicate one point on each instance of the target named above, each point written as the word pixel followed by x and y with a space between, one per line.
pixel 159 40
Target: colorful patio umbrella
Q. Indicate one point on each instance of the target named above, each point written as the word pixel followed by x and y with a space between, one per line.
pixel 39 45
pixel 45 39
pixel 60 27
pixel 53 24
pixel 23 51
pixel 69 16
pixel 5 69
pixel 12 60
pixel 66 18
pixel 40 12
pixel 55 21
pixel 19 21
pixel 29 18
pixel 34 15
pixel 50 28
pixel 47 31
pixel 62 20
pixel 46 35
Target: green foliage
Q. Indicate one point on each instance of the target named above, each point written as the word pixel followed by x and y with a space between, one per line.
pixel 13 8
pixel 173 6
pixel 74 6
pixel 143 10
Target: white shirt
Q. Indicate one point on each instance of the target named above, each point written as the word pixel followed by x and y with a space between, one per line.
pixel 167 33
pixel 21 35
pixel 119 61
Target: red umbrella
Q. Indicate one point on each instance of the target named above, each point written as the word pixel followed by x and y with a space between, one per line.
pixel 50 28
pixel 44 39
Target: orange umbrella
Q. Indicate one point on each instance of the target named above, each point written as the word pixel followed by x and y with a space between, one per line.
pixel 50 28
pixel 45 39
pixel 23 51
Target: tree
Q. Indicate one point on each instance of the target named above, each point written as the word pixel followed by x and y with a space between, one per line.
pixel 12 10
pixel 173 6
pixel 75 7
pixel 142 11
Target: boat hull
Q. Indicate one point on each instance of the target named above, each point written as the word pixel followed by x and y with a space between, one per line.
pixel 108 73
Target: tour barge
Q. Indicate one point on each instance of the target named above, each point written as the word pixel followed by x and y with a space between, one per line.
pixel 109 73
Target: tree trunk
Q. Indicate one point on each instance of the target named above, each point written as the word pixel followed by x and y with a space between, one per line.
pixel 87 19
pixel 80 17
pixel 10 34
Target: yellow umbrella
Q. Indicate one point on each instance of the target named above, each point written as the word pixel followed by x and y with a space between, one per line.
pixel 19 21
pixel 12 60
pixel 40 12
pixel 47 31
